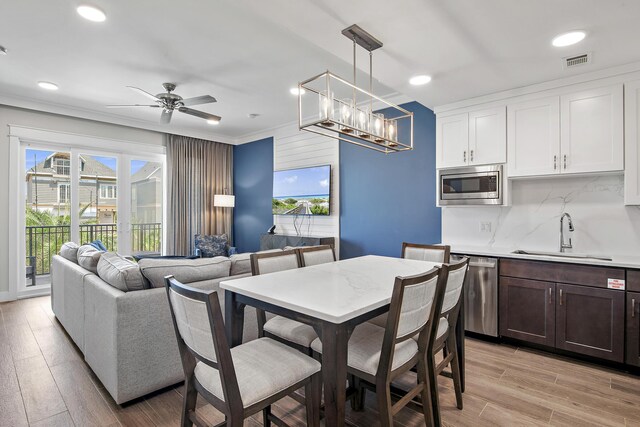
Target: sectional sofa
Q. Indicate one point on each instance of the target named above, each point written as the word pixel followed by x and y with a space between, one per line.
pixel 127 336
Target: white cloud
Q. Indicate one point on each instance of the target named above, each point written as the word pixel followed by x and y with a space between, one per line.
pixel 324 183
pixel 291 179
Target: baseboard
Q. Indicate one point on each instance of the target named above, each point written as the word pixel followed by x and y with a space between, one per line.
pixel 7 296
pixel 30 293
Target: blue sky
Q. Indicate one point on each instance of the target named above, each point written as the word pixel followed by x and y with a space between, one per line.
pixel 301 182
pixel 36 156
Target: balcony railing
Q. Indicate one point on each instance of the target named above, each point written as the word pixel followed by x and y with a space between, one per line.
pixel 44 241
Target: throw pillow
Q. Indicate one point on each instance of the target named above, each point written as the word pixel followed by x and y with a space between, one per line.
pixel 69 250
pixel 184 270
pixel 120 273
pixel 211 246
pixel 99 245
pixel 88 258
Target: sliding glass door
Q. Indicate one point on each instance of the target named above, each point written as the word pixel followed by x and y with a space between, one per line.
pixel 83 196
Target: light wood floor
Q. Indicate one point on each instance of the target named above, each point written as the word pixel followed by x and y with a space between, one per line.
pixel 45 382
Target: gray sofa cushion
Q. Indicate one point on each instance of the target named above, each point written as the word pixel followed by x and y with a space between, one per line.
pixel 240 263
pixel 69 251
pixel 88 257
pixel 184 270
pixel 120 273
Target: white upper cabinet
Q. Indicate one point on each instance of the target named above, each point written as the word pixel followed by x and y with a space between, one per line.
pixel 474 138
pixel 452 140
pixel 487 136
pixel 533 137
pixel 632 143
pixel 591 132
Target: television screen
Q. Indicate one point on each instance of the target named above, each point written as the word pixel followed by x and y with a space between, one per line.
pixel 304 191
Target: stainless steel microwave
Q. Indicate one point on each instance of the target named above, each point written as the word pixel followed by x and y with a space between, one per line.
pixel 474 185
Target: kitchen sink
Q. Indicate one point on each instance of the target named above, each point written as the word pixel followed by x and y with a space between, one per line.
pixel 562 255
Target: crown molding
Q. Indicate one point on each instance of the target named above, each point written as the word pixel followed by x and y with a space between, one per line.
pixel 88 114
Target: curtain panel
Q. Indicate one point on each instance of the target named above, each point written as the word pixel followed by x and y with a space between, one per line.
pixel 196 171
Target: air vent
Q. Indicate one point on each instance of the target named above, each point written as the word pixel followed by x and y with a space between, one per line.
pixel 576 61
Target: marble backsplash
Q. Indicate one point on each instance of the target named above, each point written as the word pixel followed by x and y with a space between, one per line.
pixel 603 224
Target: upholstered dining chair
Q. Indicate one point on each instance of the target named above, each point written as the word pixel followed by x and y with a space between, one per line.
pixel 434 253
pixel 291 332
pixel 445 337
pixel 241 381
pixel 314 255
pixel 376 356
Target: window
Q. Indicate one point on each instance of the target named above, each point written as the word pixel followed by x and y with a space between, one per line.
pixel 108 191
pixel 64 193
pixel 63 166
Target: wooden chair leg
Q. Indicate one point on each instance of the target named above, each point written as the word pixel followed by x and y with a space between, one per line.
pixel 266 412
pixel 313 396
pixel 433 390
pixel 425 395
pixel 189 401
pixel 383 393
pixel 455 371
pixel 357 400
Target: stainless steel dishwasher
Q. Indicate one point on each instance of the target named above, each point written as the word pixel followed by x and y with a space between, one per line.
pixel 481 296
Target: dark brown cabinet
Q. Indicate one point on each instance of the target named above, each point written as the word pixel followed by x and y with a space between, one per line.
pixel 590 321
pixel 568 307
pixel 527 310
pixel 633 328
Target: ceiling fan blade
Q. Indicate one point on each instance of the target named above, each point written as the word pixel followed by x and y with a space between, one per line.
pixel 131 105
pixel 200 114
pixel 145 93
pixel 166 116
pixel 204 99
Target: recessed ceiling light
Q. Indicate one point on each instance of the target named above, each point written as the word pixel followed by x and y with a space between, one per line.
pixel 420 80
pixel 3 50
pixel 567 39
pixel 48 85
pixel 213 122
pixel 91 13
pixel 295 91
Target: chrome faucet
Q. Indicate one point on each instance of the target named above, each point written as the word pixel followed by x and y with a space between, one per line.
pixel 564 245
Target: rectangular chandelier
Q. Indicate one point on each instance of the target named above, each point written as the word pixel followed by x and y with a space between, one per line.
pixel 331 106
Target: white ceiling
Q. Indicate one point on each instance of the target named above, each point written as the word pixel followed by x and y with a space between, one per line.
pixel 248 53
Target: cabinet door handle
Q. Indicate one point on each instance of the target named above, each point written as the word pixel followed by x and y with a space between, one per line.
pixel 464 156
pixel 633 307
pixel 555 162
pixel 471 155
pixel 565 161
pixel 549 295
pixel 560 296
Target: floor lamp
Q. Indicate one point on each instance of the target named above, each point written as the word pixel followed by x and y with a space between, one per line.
pixel 226 201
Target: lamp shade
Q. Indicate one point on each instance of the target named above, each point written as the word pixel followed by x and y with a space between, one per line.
pixel 224 201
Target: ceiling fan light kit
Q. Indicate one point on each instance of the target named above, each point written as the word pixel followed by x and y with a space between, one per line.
pixel 170 102
pixel 332 106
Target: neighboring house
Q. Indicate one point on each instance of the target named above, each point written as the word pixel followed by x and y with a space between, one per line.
pixel 49 187
pixel 146 194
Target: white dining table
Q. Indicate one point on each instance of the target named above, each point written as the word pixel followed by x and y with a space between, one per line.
pixel 333 298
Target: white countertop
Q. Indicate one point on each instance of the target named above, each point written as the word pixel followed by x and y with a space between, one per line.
pixel 336 291
pixel 623 261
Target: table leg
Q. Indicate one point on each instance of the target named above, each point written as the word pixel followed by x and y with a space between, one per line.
pixel 335 339
pixel 234 318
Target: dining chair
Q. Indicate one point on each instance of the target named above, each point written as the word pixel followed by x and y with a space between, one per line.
pixel 434 253
pixel 288 331
pixel 240 381
pixel 376 356
pixel 314 255
pixel 445 337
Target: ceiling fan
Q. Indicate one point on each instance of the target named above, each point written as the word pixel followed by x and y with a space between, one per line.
pixel 170 101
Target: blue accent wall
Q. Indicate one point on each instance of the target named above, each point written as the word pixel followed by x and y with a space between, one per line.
pixel 388 199
pixel 253 188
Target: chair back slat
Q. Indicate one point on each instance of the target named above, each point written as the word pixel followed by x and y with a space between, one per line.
pixel 192 320
pixel 455 282
pixel 272 262
pixel 416 307
pixel 433 253
pixel 315 255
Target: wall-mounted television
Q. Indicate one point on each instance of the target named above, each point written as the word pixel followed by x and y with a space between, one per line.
pixel 305 191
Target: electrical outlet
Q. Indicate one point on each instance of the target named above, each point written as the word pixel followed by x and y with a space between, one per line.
pixel 485 227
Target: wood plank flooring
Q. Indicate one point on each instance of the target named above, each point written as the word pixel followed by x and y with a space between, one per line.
pixel 44 381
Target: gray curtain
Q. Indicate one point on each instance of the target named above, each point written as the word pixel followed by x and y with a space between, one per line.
pixel 197 170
